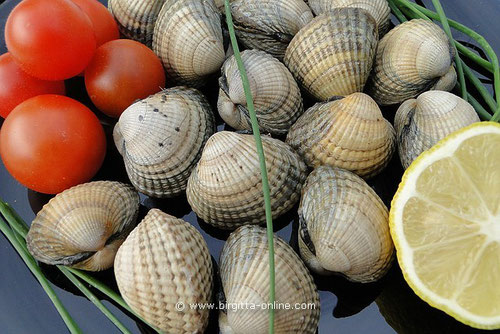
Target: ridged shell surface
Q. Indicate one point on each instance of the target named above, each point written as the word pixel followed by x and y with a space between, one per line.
pixel 268 25
pixel 276 95
pixel 83 226
pixel 165 261
pixel 136 18
pixel 188 39
pixel 349 133
pixel 410 60
pixel 244 269
pixel 161 139
pixel 344 226
pixel 448 81
pixel 420 123
pixel 225 188
pixel 379 9
pixel 333 54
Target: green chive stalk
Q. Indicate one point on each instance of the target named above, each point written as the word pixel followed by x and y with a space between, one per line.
pixel 262 160
pixel 458 61
pixel 37 272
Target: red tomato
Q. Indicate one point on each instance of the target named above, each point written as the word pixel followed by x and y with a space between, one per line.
pixel 121 72
pixel 17 86
pixel 104 24
pixel 50 39
pixel 50 143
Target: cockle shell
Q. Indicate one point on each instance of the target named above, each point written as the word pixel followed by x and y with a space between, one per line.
pixel 344 226
pixel 410 60
pixel 244 270
pixel 83 226
pixel 188 39
pixel 422 122
pixel 268 25
pixel 136 18
pixel 350 133
pixel 225 188
pixel 448 81
pixel 333 54
pixel 378 9
pixel 165 261
pixel 161 139
pixel 276 95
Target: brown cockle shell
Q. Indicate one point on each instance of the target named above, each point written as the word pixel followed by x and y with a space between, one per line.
pixel 344 226
pixel 379 9
pixel 333 54
pixel 225 188
pixel 410 59
pixel 244 270
pixel 420 123
pixel 268 25
pixel 188 39
pixel 161 139
pixel 276 95
pixel 83 226
pixel 136 18
pixel 164 262
pixel 349 133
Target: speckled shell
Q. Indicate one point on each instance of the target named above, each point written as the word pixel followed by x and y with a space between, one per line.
pixel 136 18
pixel 83 226
pixel 188 39
pixel 378 9
pixel 276 95
pixel 344 226
pixel 225 188
pixel 420 123
pixel 333 54
pixel 410 60
pixel 244 270
pixel 349 133
pixel 161 139
pixel 448 81
pixel 165 261
pixel 268 25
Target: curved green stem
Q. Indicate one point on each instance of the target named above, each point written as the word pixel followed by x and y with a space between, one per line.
pixel 480 87
pixel 37 272
pixel 395 10
pixel 458 61
pixel 262 160
pixel 94 300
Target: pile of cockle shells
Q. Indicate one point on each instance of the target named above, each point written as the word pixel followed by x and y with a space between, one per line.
pixel 339 53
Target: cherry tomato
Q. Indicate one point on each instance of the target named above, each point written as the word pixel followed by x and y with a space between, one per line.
pixel 17 86
pixel 104 24
pixel 121 72
pixel 50 39
pixel 50 143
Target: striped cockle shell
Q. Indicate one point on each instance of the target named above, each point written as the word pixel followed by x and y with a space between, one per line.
pixel 422 122
pixel 188 39
pixel 448 81
pixel 349 133
pixel 333 54
pixel 410 60
pixel 225 188
pixel 344 226
pixel 379 9
pixel 268 25
pixel 244 270
pixel 161 139
pixel 83 226
pixel 136 18
pixel 276 95
pixel 165 261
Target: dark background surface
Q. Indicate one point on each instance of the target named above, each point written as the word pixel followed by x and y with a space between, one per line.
pixel 387 306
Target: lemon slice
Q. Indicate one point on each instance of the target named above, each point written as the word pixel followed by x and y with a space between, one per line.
pixel 445 223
